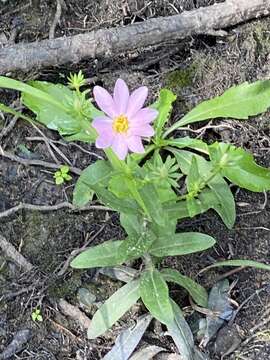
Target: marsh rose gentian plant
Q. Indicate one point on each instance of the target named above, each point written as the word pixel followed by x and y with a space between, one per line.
pixel 126 121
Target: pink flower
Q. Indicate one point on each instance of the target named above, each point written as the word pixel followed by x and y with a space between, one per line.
pixel 125 122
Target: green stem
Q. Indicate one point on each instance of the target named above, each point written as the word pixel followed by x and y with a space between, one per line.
pixel 175 126
pixel 203 184
pixel 148 262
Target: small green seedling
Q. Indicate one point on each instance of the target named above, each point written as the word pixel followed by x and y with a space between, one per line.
pixel 36 315
pixel 62 175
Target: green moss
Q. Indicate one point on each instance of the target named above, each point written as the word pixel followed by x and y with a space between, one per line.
pixel 261 36
pixel 68 288
pixel 181 78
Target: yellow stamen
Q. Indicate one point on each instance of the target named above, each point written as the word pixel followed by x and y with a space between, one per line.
pixel 120 124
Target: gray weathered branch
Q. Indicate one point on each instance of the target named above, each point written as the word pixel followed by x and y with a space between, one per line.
pixel 108 42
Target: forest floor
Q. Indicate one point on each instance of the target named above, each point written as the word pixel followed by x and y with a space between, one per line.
pixel 195 69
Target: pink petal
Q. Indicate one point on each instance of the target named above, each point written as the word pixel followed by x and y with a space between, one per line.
pixel 105 101
pixel 121 96
pixel 104 140
pixel 102 123
pixel 120 147
pixel 135 144
pixel 136 100
pixel 145 130
pixel 103 126
pixel 145 115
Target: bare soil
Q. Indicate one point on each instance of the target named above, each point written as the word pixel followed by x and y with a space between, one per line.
pixel 195 69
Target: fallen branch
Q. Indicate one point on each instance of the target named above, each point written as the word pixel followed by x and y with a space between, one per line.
pixel 112 41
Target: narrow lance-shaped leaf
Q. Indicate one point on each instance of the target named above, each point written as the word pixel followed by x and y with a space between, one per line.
pixel 247 263
pixel 181 244
pixel 114 308
pixel 154 207
pixel 128 339
pixel 219 303
pixel 187 142
pixel 196 291
pixel 239 102
pixel 9 83
pixel 155 295
pixel 105 254
pixel 180 331
pixel 164 107
pixel 135 247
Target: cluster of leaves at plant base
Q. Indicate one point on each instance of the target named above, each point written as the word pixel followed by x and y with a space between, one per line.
pixel 149 196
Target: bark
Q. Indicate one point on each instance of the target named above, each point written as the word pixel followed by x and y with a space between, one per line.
pixel 113 41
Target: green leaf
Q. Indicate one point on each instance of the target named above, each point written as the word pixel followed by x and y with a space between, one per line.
pixel 55 117
pixel 9 83
pixel 218 185
pixel 240 168
pixel 155 295
pixel 239 102
pixel 205 201
pixel 83 136
pixel 105 254
pixel 54 106
pixel 193 178
pixel 181 244
pixel 248 263
pixel 59 180
pixel 126 206
pixel 135 247
pixel 180 331
pixel 64 169
pixel 187 142
pixel 196 291
pixel 132 223
pixel 164 107
pixel 152 203
pixel 91 176
pixel 168 229
pixel 118 185
pixel 114 308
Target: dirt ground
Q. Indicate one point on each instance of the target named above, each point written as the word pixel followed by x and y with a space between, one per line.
pixel 195 69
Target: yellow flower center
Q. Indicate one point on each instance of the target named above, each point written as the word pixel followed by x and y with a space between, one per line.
pixel 120 124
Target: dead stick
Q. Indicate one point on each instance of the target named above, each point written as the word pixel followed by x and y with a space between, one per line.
pixel 13 254
pixel 112 41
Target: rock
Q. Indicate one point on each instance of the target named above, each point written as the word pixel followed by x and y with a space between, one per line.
pixel 228 339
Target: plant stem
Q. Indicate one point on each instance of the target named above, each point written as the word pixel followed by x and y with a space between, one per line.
pixel 203 184
pixel 148 263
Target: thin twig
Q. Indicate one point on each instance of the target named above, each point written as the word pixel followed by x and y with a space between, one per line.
pixel 62 205
pixel 8 128
pixel 28 162
pixel 56 19
pixel 78 251
pixel 38 138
